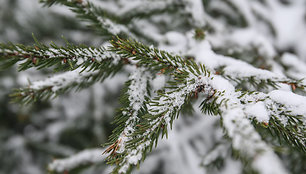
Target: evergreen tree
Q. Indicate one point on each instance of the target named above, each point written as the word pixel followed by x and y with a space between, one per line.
pixel 209 86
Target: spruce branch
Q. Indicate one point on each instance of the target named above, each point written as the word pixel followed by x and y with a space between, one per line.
pixel 105 22
pixel 156 60
pixel 59 84
pixel 239 94
pixel 148 9
pixel 284 118
pixel 161 112
pixel 277 122
pixel 108 23
pixel 242 74
pixel 288 117
pixel 86 66
pixel 239 128
pixel 133 98
pixel 255 77
pixel 189 79
pixel 59 58
pixel 260 81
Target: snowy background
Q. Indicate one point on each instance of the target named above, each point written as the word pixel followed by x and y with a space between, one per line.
pixel 269 34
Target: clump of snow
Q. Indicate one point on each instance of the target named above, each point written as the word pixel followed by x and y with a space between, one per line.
pixel 233 68
pixel 248 141
pixel 291 16
pixel 293 102
pixel 258 111
pixel 292 61
pixel 112 27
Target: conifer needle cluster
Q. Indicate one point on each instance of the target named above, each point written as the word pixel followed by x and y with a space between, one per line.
pixel 255 112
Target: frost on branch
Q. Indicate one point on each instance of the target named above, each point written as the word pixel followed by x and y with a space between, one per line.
pixel 241 61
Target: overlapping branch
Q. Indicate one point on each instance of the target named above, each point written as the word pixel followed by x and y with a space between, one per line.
pixel 220 97
pixel 59 58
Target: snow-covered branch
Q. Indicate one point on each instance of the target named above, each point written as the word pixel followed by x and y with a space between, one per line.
pixel 86 157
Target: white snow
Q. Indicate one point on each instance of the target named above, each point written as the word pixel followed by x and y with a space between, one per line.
pixel 158 82
pixel 137 91
pixel 61 81
pixel 295 103
pixel 195 7
pixel 191 138
pixel 258 111
pixel 296 67
pixel 248 141
pixel 269 163
pixel 232 67
pixel 82 158
pixel 247 39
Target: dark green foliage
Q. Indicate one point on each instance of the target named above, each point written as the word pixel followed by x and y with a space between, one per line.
pixel 59 58
pixel 137 131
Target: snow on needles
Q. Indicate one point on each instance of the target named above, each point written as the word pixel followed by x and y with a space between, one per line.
pixel 248 141
pixel 137 91
pixel 166 108
pixel 63 80
pixel 293 102
pixel 77 76
pixel 259 111
pixel 81 158
pixel 138 88
pixel 233 68
pixel 237 108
